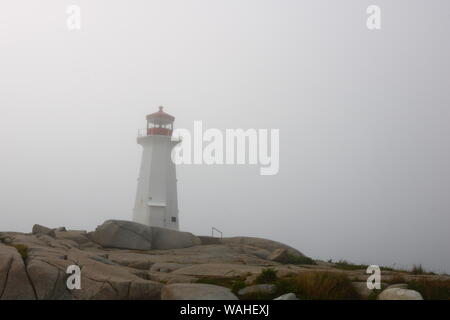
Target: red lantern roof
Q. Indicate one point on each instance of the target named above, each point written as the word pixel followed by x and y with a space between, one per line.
pixel 160 116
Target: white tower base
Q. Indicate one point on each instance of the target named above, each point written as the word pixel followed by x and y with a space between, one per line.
pixel 156 197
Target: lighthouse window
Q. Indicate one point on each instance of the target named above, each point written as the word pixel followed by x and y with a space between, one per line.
pixel 174 219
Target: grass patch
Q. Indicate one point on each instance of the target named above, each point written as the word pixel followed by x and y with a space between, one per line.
pixel 238 285
pixel 374 294
pixel 324 286
pixel 268 275
pixel 417 269
pixel 345 265
pixel 397 279
pixel 311 285
pixel 319 286
pixel 291 259
pixel 219 281
pixel 431 289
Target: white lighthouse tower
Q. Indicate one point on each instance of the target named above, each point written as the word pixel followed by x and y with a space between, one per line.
pixel 156 197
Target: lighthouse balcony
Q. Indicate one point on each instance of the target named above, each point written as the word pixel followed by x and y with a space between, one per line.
pixel 154 132
pixel 142 133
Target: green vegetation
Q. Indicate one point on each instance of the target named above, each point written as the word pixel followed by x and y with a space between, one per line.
pixel 345 265
pixel 238 285
pixel 22 249
pixel 312 285
pixel 320 286
pixel 396 279
pixel 431 289
pixel 268 275
pixel 417 269
pixel 291 259
pixel 326 285
pixel 374 294
pixel 221 281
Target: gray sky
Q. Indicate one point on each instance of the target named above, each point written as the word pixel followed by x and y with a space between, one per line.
pixel 363 118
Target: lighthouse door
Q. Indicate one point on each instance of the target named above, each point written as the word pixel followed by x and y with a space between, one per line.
pixel 156 216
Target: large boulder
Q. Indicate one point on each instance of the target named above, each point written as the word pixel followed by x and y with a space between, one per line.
pixel 399 294
pixel 196 291
pixel 14 282
pixel 38 229
pixel 123 235
pixel 398 285
pixel 287 296
pixel 135 236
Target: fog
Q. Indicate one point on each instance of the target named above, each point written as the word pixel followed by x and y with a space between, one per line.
pixel 363 117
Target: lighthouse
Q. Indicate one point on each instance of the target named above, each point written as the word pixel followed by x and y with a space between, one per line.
pixel 156 196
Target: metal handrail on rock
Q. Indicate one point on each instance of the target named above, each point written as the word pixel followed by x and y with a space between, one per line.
pixel 217 230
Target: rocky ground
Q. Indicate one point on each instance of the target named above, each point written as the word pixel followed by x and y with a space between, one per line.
pixel 124 260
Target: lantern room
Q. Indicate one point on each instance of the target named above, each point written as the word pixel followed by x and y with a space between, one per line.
pixel 160 123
